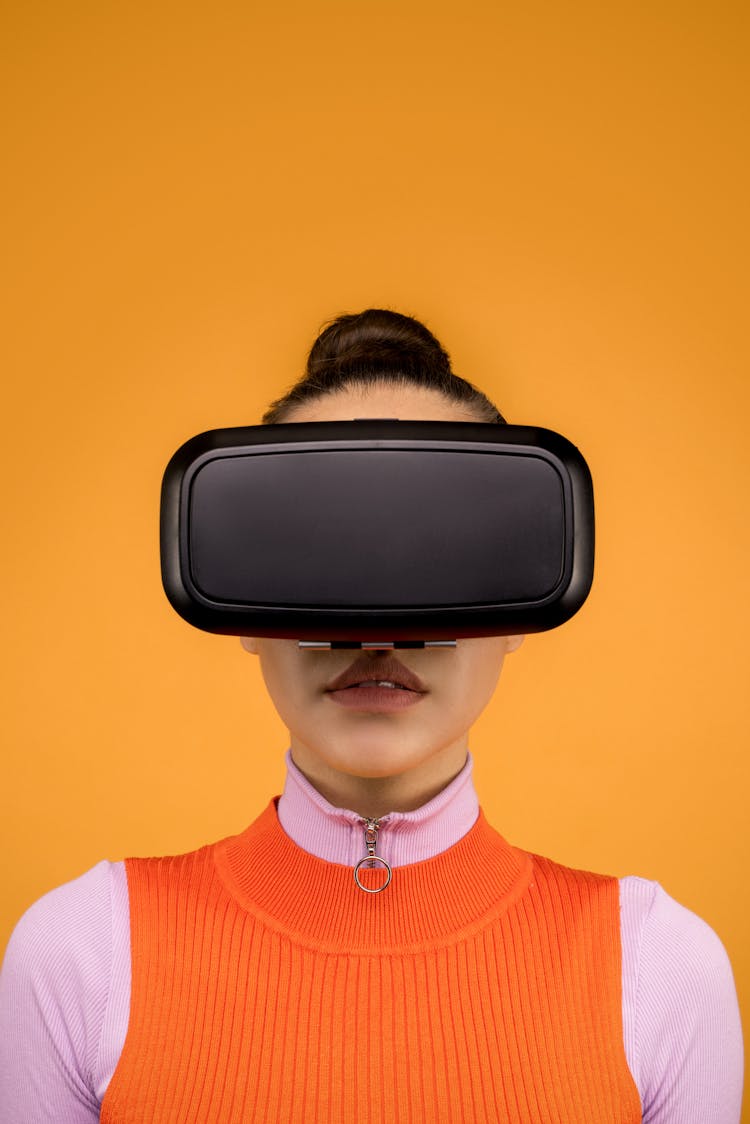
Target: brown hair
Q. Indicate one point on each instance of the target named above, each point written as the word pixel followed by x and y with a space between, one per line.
pixel 378 345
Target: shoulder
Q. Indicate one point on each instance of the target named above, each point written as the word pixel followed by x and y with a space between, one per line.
pixel 681 1015
pixel 551 870
pixel 92 889
pixel 575 890
pixel 68 922
pixel 180 871
pixel 664 932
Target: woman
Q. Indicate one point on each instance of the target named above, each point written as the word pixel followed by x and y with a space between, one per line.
pixel 256 980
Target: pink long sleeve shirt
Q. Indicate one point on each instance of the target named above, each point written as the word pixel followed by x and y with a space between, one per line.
pixel 65 982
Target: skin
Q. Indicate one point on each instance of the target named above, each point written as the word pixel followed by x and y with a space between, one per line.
pixel 375 763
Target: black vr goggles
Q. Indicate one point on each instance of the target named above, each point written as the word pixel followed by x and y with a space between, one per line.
pixel 377 533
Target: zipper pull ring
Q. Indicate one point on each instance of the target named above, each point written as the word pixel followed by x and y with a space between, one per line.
pixel 371 839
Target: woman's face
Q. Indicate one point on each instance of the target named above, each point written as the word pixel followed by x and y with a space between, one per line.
pixel 375 761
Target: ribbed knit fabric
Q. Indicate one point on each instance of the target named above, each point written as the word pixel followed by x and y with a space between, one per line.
pixel 336 834
pixel 483 985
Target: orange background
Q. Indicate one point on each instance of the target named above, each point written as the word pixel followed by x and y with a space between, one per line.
pixel 560 192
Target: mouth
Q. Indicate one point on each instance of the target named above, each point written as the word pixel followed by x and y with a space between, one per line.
pixel 375 683
pixel 385 674
pixel 380 697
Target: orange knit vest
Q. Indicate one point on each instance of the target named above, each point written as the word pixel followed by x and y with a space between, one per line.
pixel 484 984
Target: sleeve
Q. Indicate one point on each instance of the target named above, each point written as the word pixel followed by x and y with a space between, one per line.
pixel 54 995
pixel 687 1050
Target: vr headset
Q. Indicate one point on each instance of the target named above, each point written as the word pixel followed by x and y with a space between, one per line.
pixel 377 532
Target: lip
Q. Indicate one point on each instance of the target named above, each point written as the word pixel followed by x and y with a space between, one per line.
pixel 382 699
pixel 387 668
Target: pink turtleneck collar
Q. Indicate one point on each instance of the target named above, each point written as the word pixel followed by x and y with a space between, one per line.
pixel 337 834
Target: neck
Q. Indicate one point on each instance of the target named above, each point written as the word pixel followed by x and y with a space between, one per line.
pixel 336 833
pixel 373 797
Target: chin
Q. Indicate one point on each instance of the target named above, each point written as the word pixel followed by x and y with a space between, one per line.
pixel 375 762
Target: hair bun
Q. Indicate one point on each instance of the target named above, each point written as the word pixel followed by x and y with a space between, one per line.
pixel 352 345
pixel 375 346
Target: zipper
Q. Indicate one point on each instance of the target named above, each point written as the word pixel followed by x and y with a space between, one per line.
pixel 372 827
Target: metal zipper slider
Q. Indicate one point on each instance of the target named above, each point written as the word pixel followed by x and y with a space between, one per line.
pixel 371 839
